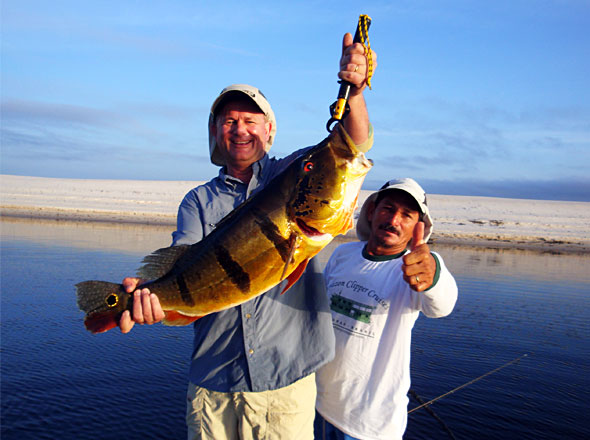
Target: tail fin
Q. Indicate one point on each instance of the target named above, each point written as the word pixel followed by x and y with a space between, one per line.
pixel 103 304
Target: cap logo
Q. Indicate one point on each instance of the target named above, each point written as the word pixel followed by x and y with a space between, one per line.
pixel 247 92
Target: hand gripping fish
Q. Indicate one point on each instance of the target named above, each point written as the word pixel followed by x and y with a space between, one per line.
pixel 265 240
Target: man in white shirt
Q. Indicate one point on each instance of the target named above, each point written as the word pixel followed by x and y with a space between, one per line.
pixel 377 288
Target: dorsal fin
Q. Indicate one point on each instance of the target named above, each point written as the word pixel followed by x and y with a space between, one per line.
pixel 159 262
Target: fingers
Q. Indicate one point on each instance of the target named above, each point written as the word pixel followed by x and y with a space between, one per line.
pixel 146 307
pixel 416 274
pixel 352 49
pixel 419 266
pixel 419 254
pixel 353 62
pixel 130 284
pixel 418 282
pixel 126 324
pixel 142 307
pixel 138 306
pixel 418 235
pixel 157 311
pixel 346 41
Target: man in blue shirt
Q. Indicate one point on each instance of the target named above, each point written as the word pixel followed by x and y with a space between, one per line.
pixel 252 368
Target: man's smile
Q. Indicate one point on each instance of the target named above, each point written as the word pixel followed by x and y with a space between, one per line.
pixel 242 143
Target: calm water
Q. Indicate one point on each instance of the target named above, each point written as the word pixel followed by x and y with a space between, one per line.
pixel 59 381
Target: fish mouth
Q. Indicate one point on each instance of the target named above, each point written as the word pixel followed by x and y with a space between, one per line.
pixel 308 230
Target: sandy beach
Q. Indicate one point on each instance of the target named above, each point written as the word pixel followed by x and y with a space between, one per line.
pixel 554 226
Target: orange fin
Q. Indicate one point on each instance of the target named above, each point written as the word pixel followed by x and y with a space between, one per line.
pixel 292 247
pixel 295 275
pixel 175 318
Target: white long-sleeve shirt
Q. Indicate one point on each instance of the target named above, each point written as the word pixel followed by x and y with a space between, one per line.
pixel 363 391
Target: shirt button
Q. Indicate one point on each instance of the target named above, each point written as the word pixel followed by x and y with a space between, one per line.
pixel 248 316
pixel 251 351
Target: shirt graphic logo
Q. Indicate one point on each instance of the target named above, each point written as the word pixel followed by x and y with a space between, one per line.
pixel 353 309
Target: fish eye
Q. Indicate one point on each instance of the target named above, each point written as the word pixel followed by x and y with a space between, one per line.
pixel 308 166
pixel 112 300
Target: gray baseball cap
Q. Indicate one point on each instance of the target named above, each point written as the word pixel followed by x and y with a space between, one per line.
pixel 257 97
pixel 363 227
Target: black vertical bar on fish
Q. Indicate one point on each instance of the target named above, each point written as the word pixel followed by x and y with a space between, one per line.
pixel 339 108
pixel 236 273
pixel 272 233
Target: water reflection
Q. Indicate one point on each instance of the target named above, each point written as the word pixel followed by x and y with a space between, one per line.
pixel 117 237
pixel 142 239
pixel 490 263
pixel 510 302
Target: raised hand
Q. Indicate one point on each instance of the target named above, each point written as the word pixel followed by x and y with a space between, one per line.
pixel 419 265
pixel 354 64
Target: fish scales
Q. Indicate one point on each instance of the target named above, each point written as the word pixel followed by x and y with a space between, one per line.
pixel 264 241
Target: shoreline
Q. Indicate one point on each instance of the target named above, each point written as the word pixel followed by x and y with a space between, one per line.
pixel 545 226
pixel 486 241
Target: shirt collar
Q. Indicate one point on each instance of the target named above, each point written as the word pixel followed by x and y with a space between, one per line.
pixel 258 168
pixel 370 257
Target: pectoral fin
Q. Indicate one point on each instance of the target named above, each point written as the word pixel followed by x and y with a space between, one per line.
pixel 177 319
pixel 292 247
pixel 295 275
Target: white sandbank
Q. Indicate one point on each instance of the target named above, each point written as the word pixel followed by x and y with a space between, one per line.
pixel 464 220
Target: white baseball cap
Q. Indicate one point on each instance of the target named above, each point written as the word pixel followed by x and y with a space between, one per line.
pixel 257 97
pixel 363 227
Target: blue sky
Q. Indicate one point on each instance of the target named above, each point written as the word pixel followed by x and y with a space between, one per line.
pixel 470 97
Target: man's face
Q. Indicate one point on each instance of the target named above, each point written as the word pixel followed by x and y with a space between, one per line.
pixel 241 131
pixel 392 223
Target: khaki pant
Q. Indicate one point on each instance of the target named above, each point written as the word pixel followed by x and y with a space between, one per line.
pixel 286 413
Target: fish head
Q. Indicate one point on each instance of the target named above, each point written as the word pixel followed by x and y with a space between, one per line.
pixel 103 304
pixel 329 179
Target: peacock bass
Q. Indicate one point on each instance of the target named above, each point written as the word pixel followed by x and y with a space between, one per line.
pixel 267 239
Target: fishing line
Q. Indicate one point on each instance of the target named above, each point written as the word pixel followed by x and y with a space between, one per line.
pixel 468 383
pixel 433 414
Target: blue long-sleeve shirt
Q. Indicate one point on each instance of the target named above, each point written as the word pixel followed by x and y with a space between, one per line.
pixel 272 340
